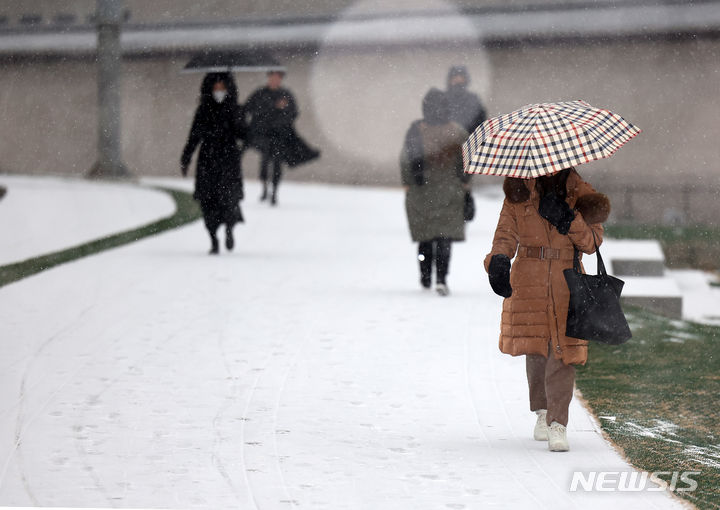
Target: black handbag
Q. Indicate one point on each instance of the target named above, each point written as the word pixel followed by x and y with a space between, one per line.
pixel 595 312
pixel 469 209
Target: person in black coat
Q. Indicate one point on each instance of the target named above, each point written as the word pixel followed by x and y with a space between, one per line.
pixel 272 110
pixel 217 125
pixel 465 106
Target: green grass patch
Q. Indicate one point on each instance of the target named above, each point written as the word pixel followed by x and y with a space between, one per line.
pixel 186 212
pixel 663 390
pixel 697 246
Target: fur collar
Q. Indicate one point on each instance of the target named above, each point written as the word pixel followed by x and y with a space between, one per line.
pixel 594 207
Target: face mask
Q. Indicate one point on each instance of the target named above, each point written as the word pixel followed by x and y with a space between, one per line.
pixel 219 95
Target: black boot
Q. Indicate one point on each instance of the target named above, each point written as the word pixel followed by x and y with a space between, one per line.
pixel 442 263
pixel 273 198
pixel 264 195
pixel 425 257
pixel 229 240
pixel 214 245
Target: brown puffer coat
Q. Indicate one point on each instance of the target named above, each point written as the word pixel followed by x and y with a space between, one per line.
pixel 536 312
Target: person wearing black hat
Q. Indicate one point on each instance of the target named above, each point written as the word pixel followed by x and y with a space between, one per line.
pixel 465 106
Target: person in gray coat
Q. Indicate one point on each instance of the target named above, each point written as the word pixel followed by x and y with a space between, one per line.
pixel 433 177
pixel 465 106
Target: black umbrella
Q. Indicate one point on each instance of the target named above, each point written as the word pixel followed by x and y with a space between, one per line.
pixel 233 61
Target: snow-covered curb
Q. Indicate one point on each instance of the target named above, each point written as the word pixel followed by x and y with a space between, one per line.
pixel 40 215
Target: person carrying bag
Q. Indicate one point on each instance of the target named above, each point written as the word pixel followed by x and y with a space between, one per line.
pixel 544 222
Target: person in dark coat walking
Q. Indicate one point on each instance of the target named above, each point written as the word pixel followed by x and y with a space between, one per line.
pixel 217 125
pixel 432 173
pixel 272 110
pixel 465 106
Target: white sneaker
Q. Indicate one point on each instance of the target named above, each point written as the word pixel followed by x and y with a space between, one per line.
pixel 541 429
pixel 442 289
pixel 557 438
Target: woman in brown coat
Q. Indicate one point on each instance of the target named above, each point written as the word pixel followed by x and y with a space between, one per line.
pixel 541 222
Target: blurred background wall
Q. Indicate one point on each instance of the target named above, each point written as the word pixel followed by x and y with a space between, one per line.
pixel 359 71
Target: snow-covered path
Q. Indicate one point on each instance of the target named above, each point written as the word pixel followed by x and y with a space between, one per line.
pixel 305 370
pixel 44 214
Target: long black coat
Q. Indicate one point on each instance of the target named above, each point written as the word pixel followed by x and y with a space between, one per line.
pixel 216 127
pixel 269 123
pixel 271 128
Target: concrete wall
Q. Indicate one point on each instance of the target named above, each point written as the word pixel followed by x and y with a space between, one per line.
pixel 357 105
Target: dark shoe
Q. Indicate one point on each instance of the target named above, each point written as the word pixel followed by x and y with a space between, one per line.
pixel 264 195
pixel 273 198
pixel 442 289
pixel 215 246
pixel 229 240
pixel 426 283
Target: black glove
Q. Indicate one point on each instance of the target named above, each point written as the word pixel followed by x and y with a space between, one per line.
pixel 557 212
pixel 419 179
pixel 499 275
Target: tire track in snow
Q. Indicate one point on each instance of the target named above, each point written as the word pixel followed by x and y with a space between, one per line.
pixel 297 356
pixel 245 418
pixel 230 400
pixel 89 467
pixel 31 357
pixel 286 367
pixel 22 424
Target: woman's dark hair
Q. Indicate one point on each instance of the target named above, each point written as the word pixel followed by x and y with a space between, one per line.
pixel 209 82
pixel 555 183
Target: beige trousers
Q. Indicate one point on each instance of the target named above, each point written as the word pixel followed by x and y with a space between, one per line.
pixel 550 382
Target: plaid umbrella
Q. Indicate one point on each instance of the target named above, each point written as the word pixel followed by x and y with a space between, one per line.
pixel 542 139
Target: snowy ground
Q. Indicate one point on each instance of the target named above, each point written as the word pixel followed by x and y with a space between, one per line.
pixel 42 215
pixel 305 370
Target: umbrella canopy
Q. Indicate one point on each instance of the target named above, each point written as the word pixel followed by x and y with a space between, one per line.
pixel 232 61
pixel 542 139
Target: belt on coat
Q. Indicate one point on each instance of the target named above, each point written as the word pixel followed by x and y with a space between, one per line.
pixel 544 252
